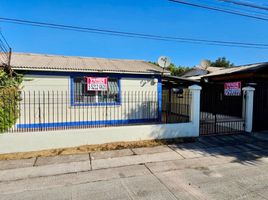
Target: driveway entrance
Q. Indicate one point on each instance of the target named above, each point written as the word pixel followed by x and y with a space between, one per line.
pixel 220 114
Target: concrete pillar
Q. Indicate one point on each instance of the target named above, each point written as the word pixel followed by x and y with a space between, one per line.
pixel 195 107
pixel 248 99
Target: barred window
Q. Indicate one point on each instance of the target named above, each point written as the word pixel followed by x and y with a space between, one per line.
pixel 82 96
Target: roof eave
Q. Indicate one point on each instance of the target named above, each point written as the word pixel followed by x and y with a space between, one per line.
pixel 181 78
pixel 87 71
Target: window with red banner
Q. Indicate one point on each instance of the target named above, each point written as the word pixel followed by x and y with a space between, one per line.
pixel 88 90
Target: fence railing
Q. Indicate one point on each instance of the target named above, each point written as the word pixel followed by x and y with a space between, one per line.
pixel 176 107
pixel 54 110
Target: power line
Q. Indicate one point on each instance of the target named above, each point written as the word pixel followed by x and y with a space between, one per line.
pixel 219 9
pixel 4 39
pixel 251 5
pixel 4 49
pixel 3 57
pixel 135 35
pixel 233 11
pixel 2 46
pixel 227 5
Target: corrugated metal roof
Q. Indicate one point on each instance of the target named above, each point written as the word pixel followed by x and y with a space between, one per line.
pixel 194 72
pixel 214 69
pixel 43 62
pixel 243 68
pixel 179 79
pixel 200 71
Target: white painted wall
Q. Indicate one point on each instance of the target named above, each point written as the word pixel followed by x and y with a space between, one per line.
pixel 46 83
pixel 34 141
pixel 62 83
pixel 140 92
pixel 138 84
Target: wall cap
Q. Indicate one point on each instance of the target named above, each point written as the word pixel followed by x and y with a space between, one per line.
pixel 248 88
pixel 195 87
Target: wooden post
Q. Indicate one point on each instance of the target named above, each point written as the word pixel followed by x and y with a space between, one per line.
pixel 9 61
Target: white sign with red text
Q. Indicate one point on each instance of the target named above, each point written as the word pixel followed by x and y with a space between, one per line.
pixel 97 84
pixel 232 89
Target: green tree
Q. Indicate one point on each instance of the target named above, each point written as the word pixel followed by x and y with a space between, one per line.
pixel 221 62
pixel 175 70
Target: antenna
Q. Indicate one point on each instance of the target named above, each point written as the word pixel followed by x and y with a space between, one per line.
pixel 164 62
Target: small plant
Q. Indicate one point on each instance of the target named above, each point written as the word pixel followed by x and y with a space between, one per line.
pixel 9 99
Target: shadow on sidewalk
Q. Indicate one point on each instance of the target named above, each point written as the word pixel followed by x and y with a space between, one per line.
pixel 245 148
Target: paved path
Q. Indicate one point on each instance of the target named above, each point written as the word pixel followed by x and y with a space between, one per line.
pixel 223 167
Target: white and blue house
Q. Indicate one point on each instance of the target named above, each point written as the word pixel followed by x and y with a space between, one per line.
pixel 55 91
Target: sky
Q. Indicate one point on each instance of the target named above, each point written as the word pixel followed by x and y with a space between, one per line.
pixel 159 17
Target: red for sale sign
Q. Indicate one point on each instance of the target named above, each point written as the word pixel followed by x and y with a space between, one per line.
pixel 97 84
pixel 232 89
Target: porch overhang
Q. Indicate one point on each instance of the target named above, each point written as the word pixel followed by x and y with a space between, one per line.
pixel 169 81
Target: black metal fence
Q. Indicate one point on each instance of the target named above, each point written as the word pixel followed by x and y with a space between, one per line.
pixel 260 109
pixel 215 124
pixel 55 110
pixel 220 114
pixel 176 107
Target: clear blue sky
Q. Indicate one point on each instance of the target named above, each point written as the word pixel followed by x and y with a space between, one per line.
pixel 147 16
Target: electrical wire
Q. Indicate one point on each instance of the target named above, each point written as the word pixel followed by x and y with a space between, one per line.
pixel 4 39
pixel 219 9
pixel 2 45
pixel 245 4
pixel 135 35
pixel 225 4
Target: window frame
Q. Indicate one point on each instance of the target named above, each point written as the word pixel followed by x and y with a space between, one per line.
pixel 73 103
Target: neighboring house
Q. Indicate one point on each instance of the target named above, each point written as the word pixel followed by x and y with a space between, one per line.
pixel 55 92
pixel 199 71
pixel 255 75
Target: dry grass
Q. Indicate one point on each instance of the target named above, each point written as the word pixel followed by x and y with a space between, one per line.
pixel 92 148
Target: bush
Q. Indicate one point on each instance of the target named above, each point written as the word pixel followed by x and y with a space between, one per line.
pixel 9 111
pixel 9 99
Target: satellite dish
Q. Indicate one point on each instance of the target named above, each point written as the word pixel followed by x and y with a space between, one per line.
pixel 205 64
pixel 164 61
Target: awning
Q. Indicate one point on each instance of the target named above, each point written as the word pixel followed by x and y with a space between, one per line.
pixel 175 81
pixel 113 87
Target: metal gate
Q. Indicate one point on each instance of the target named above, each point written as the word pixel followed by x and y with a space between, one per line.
pixel 220 114
pixel 260 109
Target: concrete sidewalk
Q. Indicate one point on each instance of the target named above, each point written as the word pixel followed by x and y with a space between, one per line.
pixel 208 169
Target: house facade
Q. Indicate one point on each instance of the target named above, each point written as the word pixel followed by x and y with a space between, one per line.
pixel 64 91
pixel 253 75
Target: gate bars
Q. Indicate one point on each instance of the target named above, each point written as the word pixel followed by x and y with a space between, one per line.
pixel 220 114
